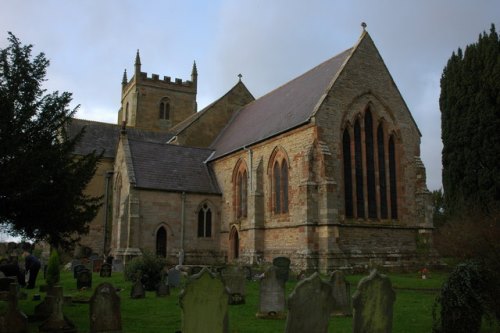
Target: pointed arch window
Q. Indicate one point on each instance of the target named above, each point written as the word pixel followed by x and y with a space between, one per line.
pixel 346 151
pixel 358 165
pixel 370 166
pixel 280 188
pixel 161 242
pixel 164 109
pixel 241 194
pixel 392 178
pixel 205 222
pixel 126 113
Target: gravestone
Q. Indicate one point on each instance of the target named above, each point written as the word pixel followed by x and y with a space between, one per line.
pixel 74 263
pixel 84 279
pixel 204 304
pixel 309 306
pixel 117 265
pixel 283 267
pixel 44 309
pixel 373 304
pixel 77 269
pixel 96 265
pixel 174 277
pixel 271 296
pixel 341 292
pixel 105 270
pixel 138 290
pixel 15 321
pixel 248 272
pixel 2 275
pixel 5 283
pixel 105 313
pixel 57 321
pixel 163 289
pixel 234 278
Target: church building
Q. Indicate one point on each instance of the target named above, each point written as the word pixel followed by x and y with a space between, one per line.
pixel 324 169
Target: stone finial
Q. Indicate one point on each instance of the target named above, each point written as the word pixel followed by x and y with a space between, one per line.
pixel 239 77
pixel 195 70
pixel 124 78
pixel 363 24
pixel 137 64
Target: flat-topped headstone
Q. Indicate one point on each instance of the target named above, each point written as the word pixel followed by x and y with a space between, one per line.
pixel 271 295
pixel 341 292
pixel 309 306
pixel 105 270
pixel 117 265
pixel 373 304
pixel 204 304
pixel 234 278
pixel 283 265
pixel 15 320
pixel 105 313
pixel 84 279
pixel 174 277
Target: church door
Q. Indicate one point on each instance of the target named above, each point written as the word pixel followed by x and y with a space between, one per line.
pixel 234 241
pixel 161 242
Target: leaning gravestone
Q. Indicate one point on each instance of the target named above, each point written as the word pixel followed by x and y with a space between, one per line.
pixel 57 321
pixel 341 292
pixel 204 304
pixel 174 277
pixel 373 304
pixel 283 267
pixel 84 279
pixel 105 314
pixel 105 270
pixel 15 321
pixel 234 278
pixel 271 296
pixel 309 306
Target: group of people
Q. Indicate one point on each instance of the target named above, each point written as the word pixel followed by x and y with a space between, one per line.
pixel 25 277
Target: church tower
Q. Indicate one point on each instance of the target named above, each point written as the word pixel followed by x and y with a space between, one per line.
pixel 154 104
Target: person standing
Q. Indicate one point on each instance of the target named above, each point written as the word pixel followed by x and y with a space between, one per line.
pixel 32 266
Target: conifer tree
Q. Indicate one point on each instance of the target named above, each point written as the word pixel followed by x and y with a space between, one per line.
pixel 41 182
pixel 470 115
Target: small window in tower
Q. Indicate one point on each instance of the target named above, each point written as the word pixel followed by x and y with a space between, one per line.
pixel 165 109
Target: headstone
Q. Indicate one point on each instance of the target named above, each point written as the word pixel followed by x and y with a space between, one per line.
pixel 44 309
pixel 105 314
pixel 309 306
pixel 84 279
pixel 271 296
pixel 174 278
pixel 234 278
pixel 341 292
pixel 117 265
pixel 204 304
pixel 2 275
pixel 77 268
pixel 163 289
pixel 15 321
pixel 96 265
pixel 57 321
pixel 373 304
pixel 283 265
pixel 248 272
pixel 74 263
pixel 138 290
pixel 105 270
pixel 5 283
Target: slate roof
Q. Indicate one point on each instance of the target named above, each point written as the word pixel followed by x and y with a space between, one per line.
pixel 168 167
pixel 104 136
pixel 286 107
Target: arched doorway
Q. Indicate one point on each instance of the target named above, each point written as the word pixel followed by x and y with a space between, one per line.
pixel 161 242
pixel 234 244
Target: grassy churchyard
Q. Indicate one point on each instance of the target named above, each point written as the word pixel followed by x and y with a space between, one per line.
pixel 412 308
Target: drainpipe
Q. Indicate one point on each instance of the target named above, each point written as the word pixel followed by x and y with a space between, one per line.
pixel 183 221
pixel 108 175
pixel 250 161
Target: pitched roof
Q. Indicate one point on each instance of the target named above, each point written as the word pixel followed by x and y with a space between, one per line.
pixel 280 110
pixel 103 137
pixel 168 167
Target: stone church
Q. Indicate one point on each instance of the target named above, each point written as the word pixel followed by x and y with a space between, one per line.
pixel 324 169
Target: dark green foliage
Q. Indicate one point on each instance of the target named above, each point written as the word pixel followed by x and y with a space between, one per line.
pixel 41 183
pixel 148 268
pixel 53 270
pixel 470 114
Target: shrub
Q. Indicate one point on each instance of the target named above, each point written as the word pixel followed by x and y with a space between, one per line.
pixel 148 268
pixel 53 270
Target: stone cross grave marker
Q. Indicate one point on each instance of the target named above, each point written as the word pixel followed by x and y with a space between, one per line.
pixel 271 296
pixel 105 313
pixel 174 277
pixel 373 304
pixel 341 292
pixel 57 321
pixel 204 304
pixel 283 265
pixel 234 278
pixel 105 270
pixel 84 279
pixel 309 306
pixel 15 320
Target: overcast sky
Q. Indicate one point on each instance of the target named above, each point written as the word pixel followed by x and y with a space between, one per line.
pixel 91 42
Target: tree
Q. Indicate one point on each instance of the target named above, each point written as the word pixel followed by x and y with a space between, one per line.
pixel 470 115
pixel 41 182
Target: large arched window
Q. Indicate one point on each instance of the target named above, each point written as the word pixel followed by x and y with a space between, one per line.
pixel 164 109
pixel 280 186
pixel 240 183
pixel 161 242
pixel 370 183
pixel 205 221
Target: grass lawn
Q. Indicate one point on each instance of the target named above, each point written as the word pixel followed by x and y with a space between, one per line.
pixel 412 312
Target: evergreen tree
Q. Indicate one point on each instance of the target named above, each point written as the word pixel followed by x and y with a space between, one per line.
pixel 470 115
pixel 41 181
